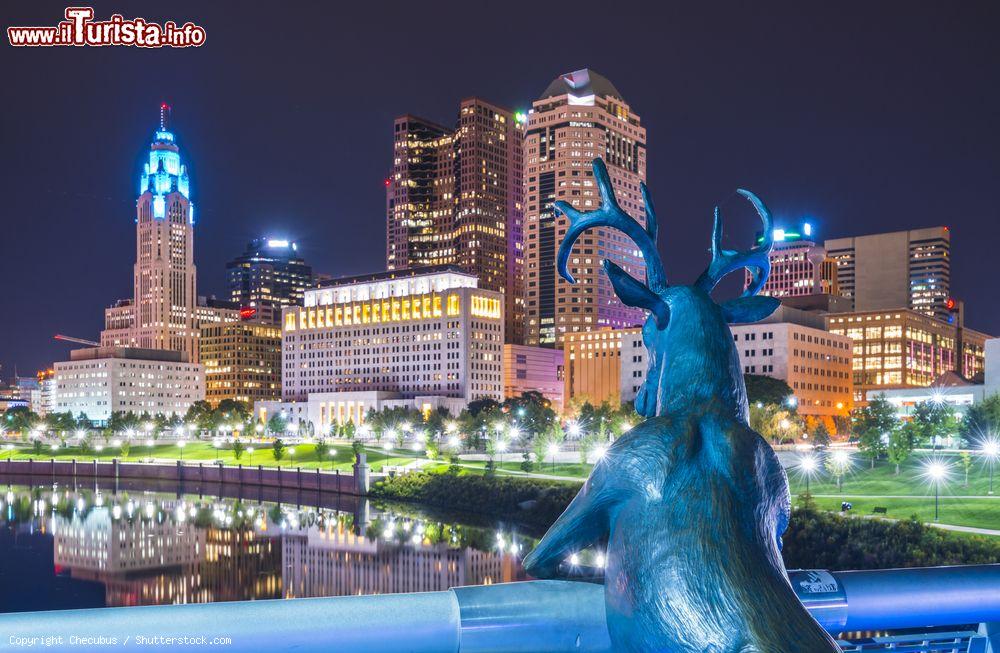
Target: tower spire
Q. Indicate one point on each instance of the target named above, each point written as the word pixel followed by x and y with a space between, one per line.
pixel 164 116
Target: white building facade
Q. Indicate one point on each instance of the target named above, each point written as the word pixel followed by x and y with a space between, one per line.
pixel 100 381
pixel 424 337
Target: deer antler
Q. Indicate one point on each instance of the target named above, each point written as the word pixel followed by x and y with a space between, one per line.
pixel 754 259
pixel 611 215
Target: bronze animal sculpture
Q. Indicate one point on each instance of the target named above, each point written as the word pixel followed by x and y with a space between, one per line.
pixel 691 502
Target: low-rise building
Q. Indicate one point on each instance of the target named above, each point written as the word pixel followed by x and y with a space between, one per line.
pixel 594 362
pixel 534 369
pixel 905 348
pixel 423 335
pixel 103 380
pixel 949 388
pixel 242 361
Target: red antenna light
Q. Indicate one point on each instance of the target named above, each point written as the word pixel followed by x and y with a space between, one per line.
pixel 387 182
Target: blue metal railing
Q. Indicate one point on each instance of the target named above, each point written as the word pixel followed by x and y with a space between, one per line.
pixel 535 617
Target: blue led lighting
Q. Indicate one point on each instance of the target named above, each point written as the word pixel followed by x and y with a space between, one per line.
pixel 159 207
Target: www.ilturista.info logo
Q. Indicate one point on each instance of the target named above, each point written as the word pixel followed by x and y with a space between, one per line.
pixel 80 29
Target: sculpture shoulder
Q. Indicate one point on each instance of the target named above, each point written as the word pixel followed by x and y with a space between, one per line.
pixel 646 451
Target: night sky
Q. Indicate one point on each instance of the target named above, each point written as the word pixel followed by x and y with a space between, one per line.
pixel 864 116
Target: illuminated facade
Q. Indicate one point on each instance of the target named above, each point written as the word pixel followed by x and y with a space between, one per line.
pixel 579 117
pixel 333 561
pixel 165 311
pixel 815 364
pixel 905 349
pixel 425 333
pixel 268 276
pixel 902 269
pixel 242 361
pixel 799 266
pixel 534 369
pixel 595 362
pixel 103 380
pixel 455 197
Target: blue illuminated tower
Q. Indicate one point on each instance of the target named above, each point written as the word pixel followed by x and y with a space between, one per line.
pixel 162 314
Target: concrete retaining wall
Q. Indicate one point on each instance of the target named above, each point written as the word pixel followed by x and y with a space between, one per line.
pixel 296 478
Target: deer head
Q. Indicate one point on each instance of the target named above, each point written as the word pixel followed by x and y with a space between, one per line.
pixel 693 363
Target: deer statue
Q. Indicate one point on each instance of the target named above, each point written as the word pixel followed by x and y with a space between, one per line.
pixel 692 502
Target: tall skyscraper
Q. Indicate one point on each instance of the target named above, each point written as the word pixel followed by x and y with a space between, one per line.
pixel 455 197
pixel 799 266
pixel 164 311
pixel 267 276
pixel 579 117
pixel 903 269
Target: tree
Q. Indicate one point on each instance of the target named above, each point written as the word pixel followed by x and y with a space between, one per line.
pixel 935 421
pixel 821 435
pixel 768 390
pixel 322 450
pixel 238 448
pixel 349 431
pixel 981 421
pixel 900 445
pixel 278 449
pixel 125 448
pixel 874 425
pixel 965 460
pixel 276 424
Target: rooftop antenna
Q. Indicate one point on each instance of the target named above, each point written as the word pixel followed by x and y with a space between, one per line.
pixel 164 116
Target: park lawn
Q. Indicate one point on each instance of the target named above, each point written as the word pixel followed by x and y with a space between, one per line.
pixel 305 457
pixel 978 513
pixel 862 480
pixel 513 467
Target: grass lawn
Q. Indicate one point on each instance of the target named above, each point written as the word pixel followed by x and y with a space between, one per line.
pixel 962 512
pixel 912 479
pixel 305 457
pixel 513 466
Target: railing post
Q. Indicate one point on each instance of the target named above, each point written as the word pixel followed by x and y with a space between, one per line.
pixel 362 478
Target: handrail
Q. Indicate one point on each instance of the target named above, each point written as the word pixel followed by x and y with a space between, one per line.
pixel 535 616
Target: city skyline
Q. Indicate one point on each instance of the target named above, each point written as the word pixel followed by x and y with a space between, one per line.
pixel 922 156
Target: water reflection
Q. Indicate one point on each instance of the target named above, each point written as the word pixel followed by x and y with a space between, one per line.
pixel 141 547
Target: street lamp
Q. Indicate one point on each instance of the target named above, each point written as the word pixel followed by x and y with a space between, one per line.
pixel 180 445
pixel 841 462
pixel 937 472
pixel 808 465
pixel 386 448
pixel 501 447
pixel 553 450
pixel 574 429
pixel 991 451
pixel 291 454
pixel 250 451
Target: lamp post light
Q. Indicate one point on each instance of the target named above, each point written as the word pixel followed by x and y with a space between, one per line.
pixel 501 448
pixel 291 454
pixel 841 461
pixel 937 472
pixel 386 448
pixel 991 451
pixel 250 451
pixel 808 466
pixel 553 450
pixel 180 445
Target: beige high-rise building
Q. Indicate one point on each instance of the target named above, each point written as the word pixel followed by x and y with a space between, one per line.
pixel 579 117
pixel 455 197
pixel 902 269
pixel 164 312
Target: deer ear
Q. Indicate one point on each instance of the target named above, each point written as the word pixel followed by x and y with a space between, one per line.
pixel 748 309
pixel 635 293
